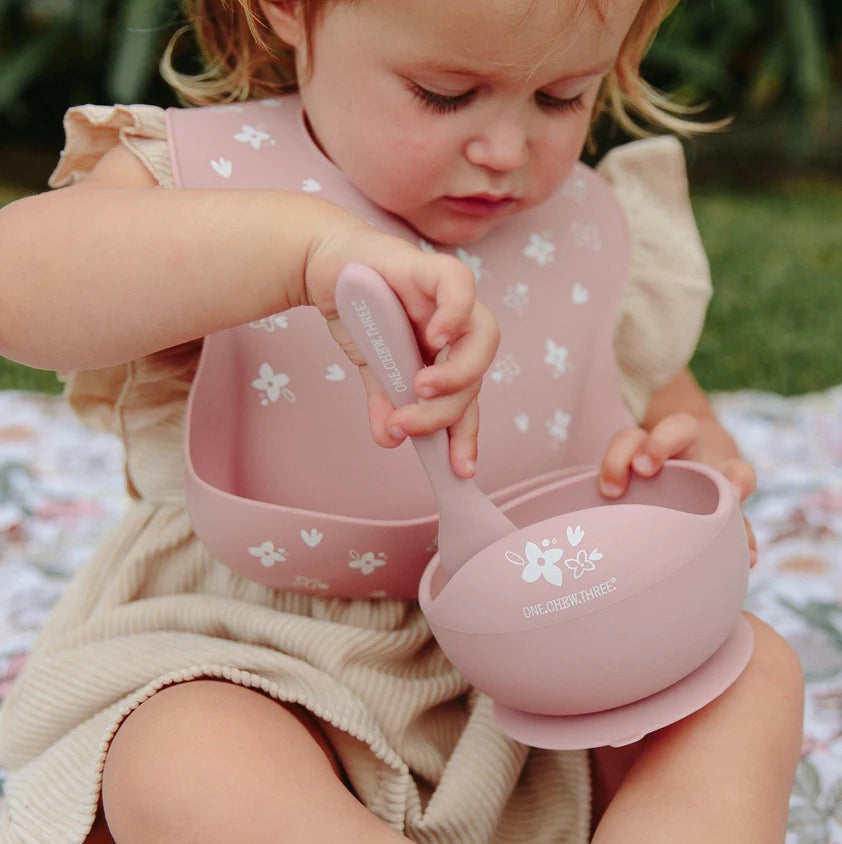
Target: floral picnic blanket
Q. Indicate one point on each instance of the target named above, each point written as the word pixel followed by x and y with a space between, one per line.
pixel 61 490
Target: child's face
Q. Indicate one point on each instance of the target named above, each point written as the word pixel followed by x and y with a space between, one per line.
pixel 456 115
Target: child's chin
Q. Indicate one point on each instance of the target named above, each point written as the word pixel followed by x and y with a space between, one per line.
pixel 456 232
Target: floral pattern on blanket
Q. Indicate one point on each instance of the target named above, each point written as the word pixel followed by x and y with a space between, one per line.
pixel 61 490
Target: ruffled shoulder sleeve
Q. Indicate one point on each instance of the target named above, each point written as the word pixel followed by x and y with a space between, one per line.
pixel 90 131
pixel 663 306
pixel 122 398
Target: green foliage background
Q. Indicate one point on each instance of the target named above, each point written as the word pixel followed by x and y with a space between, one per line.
pixel 743 56
pixel 54 53
pixel 751 55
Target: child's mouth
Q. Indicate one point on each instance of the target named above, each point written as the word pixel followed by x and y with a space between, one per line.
pixel 479 205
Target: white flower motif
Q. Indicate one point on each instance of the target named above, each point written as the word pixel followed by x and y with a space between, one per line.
pixel 222 166
pixel 575 188
pixel 272 385
pixel 557 426
pixel 473 262
pixel 367 562
pixel 312 537
pixel 268 554
pixel 517 297
pixel 579 294
pixel 310 582
pixel 270 323
pixel 580 564
pixel 504 370
pixel 586 236
pixel 253 136
pixel 334 372
pixel 539 563
pixel 575 535
pixel 310 186
pixel 540 250
pixel 556 357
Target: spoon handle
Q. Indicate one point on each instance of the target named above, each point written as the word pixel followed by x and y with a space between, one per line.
pixel 375 318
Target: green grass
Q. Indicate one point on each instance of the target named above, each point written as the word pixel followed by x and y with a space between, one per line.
pixel 776 260
pixel 13 376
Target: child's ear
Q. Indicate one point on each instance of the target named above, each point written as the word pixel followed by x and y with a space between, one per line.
pixel 286 19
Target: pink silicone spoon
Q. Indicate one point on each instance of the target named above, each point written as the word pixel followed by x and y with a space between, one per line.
pixel 381 331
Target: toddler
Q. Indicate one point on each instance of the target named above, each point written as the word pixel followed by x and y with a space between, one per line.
pixel 181 694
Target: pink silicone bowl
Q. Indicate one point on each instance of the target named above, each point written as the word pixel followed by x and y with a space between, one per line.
pixel 603 605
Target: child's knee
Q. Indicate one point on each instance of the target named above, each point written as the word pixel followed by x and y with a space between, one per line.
pixel 199 754
pixel 776 670
pixel 149 775
pixel 775 658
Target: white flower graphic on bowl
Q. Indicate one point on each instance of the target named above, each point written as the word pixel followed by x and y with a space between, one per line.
pixel 583 562
pixel 545 563
pixel 539 563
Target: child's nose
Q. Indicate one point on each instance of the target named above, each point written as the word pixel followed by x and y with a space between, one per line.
pixel 502 146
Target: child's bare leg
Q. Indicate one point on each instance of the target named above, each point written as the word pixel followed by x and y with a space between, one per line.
pixel 210 762
pixel 724 773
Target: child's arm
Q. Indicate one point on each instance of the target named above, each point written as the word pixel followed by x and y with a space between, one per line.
pixel 679 422
pixel 114 268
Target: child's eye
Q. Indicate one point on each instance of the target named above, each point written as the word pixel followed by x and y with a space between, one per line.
pixel 441 103
pixel 551 103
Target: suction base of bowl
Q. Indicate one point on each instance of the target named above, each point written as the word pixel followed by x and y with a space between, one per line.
pixel 630 723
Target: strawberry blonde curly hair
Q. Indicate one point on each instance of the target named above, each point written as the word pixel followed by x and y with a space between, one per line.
pixel 243 58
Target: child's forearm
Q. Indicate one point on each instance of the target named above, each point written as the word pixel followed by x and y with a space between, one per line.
pixel 92 276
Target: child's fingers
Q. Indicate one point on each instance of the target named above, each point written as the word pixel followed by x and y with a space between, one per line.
pixel 465 361
pixel 463 441
pixel 453 287
pixel 744 480
pixel 380 410
pixel 438 292
pixel 614 469
pixel 390 427
pixel 429 415
pixel 752 542
pixel 741 474
pixel 645 452
pixel 670 437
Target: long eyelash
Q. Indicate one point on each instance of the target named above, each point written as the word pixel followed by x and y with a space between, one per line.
pixel 439 103
pixel 554 104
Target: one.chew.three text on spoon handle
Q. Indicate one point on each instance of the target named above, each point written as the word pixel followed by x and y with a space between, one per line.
pixel 374 317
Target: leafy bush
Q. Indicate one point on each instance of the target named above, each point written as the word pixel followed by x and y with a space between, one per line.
pixel 751 55
pixel 737 54
pixel 58 52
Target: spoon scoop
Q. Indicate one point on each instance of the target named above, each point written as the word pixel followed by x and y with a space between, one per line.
pixel 375 318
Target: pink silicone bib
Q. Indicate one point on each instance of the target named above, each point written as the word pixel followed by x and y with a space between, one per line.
pixel 284 483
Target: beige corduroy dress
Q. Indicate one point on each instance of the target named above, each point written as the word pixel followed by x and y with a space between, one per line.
pixel 152 608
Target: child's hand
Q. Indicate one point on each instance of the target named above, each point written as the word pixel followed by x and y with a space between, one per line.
pixel 676 435
pixel 456 332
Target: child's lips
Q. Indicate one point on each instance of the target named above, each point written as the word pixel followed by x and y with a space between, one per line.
pixel 480 204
